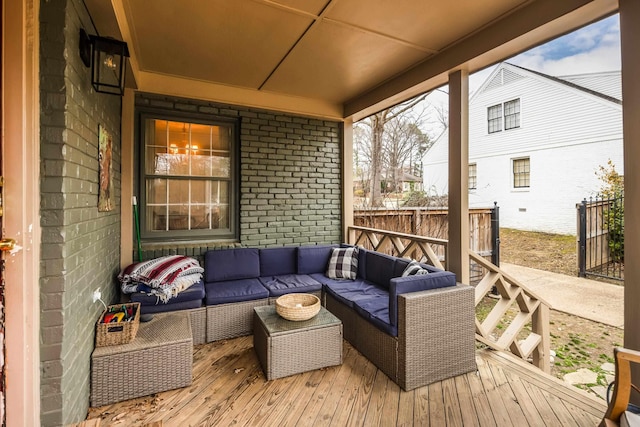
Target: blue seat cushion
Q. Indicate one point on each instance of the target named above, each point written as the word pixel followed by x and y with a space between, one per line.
pixel 231 264
pixel 314 259
pixel 350 291
pixel 278 261
pixel 234 291
pixel 162 307
pixel 290 283
pixel 376 311
pixel 194 292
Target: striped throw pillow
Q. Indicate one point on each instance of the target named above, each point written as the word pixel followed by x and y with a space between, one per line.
pixel 414 269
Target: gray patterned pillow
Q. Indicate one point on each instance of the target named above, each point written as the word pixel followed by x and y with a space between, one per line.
pixel 343 264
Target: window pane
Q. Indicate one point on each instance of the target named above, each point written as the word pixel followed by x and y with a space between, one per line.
pixel 222 213
pixel 199 192
pixel 156 191
pixel 178 217
pixel 178 191
pixel 521 173
pixel 200 218
pixel 512 114
pixel 159 162
pixel 201 137
pixel 473 180
pixel 156 133
pixel 494 115
pixel 157 218
pixel 219 192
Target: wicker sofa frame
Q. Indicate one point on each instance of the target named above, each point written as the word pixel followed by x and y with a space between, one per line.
pixel 435 332
pixel 435 336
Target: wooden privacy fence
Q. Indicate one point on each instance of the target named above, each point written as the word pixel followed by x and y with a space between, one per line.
pixel 433 223
pixel 512 318
pixel 601 237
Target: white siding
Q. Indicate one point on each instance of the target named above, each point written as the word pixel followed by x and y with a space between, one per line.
pixel 567 133
pixel 551 115
pixel 560 178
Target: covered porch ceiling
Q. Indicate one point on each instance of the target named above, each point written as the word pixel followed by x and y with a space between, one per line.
pixel 326 58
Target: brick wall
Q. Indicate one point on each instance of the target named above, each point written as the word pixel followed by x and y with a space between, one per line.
pixel 80 246
pixel 290 179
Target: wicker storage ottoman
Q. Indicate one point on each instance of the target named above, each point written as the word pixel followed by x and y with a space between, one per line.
pixel 286 348
pixel 198 325
pixel 158 359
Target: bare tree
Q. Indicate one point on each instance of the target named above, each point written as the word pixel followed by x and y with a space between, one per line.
pixel 376 125
pixel 404 141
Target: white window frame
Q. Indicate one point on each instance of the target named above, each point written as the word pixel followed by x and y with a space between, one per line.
pixel 498 123
pixel 475 176
pixel 513 173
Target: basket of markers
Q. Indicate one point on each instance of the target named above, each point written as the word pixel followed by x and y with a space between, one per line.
pixel 118 324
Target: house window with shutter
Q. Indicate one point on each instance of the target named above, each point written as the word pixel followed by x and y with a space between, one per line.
pixel 494 114
pixel 521 173
pixel 473 176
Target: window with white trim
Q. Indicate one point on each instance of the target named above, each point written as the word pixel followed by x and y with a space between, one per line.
pixel 473 176
pixel 505 115
pixel 189 178
pixel 512 114
pixel 494 114
pixel 521 172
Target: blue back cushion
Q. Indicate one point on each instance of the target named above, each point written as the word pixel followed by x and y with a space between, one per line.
pixel 379 268
pixel 314 259
pixel 278 261
pixel 399 266
pixel 231 264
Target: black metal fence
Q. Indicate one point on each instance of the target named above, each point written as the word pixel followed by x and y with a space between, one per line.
pixel 601 237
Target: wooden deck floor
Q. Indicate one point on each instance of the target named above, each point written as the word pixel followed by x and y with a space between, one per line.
pixel 229 389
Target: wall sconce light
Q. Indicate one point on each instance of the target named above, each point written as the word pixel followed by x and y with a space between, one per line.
pixel 106 57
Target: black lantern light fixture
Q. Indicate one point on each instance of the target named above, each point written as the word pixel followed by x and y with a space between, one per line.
pixel 107 58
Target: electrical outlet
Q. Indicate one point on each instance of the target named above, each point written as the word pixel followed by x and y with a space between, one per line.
pixel 97 295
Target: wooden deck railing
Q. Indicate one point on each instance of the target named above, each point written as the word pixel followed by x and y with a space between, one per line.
pixel 423 249
pixel 509 316
pixel 518 321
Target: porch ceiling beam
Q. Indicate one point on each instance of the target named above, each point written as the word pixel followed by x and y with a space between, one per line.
pixel 533 24
pixel 188 88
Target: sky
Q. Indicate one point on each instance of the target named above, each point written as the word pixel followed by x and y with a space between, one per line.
pixel 591 49
pixel 594 48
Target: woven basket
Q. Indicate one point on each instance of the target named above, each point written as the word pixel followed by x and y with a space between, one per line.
pixel 298 307
pixel 120 332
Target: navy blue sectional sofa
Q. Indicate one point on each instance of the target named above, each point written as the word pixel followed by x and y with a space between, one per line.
pixel 417 329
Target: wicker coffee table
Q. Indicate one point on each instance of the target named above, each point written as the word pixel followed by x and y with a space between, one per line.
pixel 286 348
pixel 158 359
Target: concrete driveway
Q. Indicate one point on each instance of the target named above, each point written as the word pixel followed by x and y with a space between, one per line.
pixel 590 299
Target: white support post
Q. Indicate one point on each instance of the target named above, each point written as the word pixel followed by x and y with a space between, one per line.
pixel 347 178
pixel 127 180
pixel 458 248
pixel 629 36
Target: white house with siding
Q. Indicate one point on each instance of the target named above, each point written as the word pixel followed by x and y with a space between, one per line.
pixel 535 144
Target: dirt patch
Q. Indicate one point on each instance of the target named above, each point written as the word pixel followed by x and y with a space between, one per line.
pixel 544 251
pixel 578 343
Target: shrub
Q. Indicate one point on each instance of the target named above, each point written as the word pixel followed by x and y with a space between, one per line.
pixel 613 189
